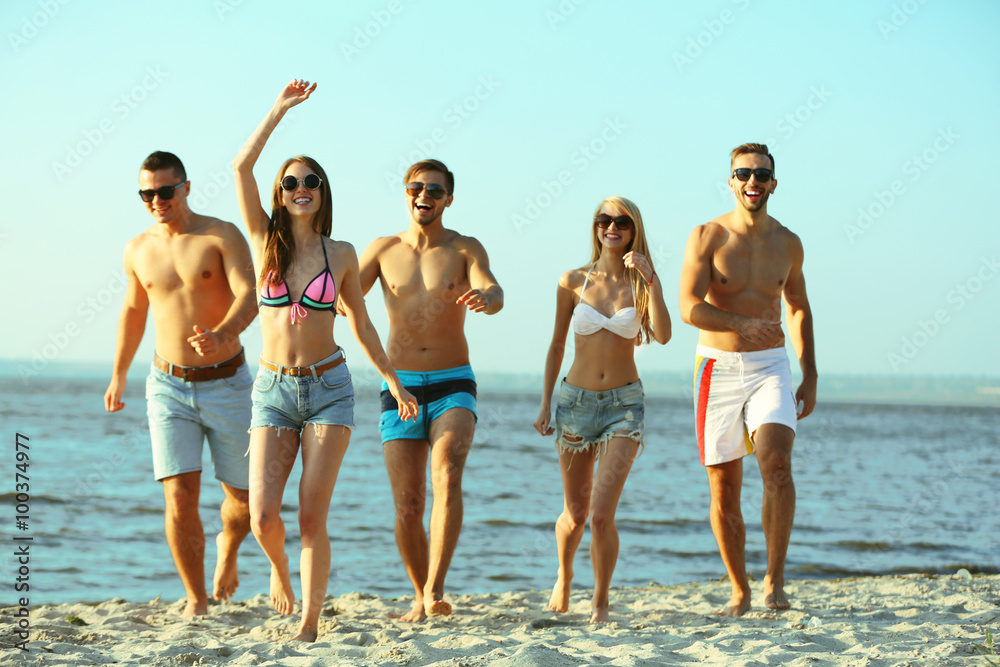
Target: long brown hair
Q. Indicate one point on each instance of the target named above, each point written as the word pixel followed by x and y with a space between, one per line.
pixel 279 244
pixel 638 244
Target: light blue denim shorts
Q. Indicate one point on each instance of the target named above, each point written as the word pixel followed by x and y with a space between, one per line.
pixel 289 401
pixel 588 420
pixel 183 414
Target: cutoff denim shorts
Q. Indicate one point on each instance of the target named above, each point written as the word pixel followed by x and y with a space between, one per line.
pixel 288 401
pixel 183 414
pixel 588 420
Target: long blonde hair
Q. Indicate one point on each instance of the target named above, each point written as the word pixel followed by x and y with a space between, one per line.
pixel 638 244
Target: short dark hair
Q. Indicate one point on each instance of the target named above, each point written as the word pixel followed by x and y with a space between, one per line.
pixel 432 165
pixel 164 160
pixel 743 149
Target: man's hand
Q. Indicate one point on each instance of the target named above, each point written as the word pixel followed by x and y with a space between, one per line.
pixel 766 334
pixel 475 300
pixel 113 396
pixel 205 341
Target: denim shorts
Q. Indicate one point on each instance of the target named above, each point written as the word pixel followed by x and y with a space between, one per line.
pixel 183 414
pixel 588 420
pixel 289 401
pixel 436 393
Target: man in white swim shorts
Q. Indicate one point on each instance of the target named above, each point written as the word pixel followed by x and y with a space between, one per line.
pixel 737 270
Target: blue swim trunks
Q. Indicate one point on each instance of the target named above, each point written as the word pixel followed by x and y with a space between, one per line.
pixel 436 392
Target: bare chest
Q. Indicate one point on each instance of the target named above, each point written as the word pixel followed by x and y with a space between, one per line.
pixel 743 265
pixel 413 274
pixel 165 266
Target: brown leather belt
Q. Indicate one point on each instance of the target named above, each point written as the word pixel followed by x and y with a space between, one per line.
pixel 226 369
pixel 300 371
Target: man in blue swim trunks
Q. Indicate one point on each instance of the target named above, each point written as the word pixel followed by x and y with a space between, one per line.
pixel 738 269
pixel 194 273
pixel 430 277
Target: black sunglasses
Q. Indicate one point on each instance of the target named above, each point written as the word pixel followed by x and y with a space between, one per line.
pixel 433 189
pixel 622 222
pixel 166 192
pixel 763 175
pixel 290 183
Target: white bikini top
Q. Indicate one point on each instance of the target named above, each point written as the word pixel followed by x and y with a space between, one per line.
pixel 588 320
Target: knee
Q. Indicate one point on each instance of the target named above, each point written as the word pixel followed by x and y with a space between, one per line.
pixel 448 480
pixel 776 469
pixel 410 508
pixel 263 522
pixel 312 525
pixel 181 500
pixel 601 523
pixel 574 518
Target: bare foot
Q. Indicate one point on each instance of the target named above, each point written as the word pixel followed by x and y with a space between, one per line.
pixel 600 615
pixel 559 601
pixel 737 607
pixel 438 608
pixel 415 615
pixel 194 608
pixel 226 580
pixel 307 633
pixel 282 596
pixel 777 599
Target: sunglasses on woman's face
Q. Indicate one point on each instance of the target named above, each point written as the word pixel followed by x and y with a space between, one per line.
pixel 622 222
pixel 290 183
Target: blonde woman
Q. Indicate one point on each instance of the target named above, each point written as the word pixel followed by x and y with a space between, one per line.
pixel 303 399
pixel 613 304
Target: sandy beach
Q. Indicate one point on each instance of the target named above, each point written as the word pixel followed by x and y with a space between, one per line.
pixel 890 620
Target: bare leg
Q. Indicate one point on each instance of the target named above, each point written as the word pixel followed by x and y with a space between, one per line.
pixel 271 459
pixel 323 449
pixel 725 482
pixel 451 438
pixel 235 513
pixel 612 470
pixel 186 537
pixel 406 462
pixel 577 476
pixel 773 444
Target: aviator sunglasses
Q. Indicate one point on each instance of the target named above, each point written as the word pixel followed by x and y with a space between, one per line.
pixel 290 183
pixel 434 190
pixel 622 222
pixel 763 175
pixel 166 192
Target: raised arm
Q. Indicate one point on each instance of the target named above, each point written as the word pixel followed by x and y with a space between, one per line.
pixel 239 272
pixel 800 331
pixel 485 295
pixel 131 326
pixel 254 217
pixel 353 303
pixel 659 318
pixel 696 277
pixel 557 348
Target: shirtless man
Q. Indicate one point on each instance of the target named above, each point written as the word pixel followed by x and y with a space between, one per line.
pixel 737 269
pixel 195 273
pixel 430 277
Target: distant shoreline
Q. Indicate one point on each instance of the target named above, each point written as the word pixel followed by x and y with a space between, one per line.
pixel 932 390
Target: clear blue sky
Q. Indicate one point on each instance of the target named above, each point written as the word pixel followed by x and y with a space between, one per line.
pixel 887 108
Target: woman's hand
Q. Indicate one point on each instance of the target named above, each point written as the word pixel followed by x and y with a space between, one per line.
pixel 542 423
pixel 296 92
pixel 639 262
pixel 407 402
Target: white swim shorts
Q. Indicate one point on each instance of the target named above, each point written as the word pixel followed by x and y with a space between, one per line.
pixel 736 392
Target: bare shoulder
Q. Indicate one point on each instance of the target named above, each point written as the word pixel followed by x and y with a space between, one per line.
pixel 788 238
pixel 340 249
pixel 226 231
pixel 573 279
pixel 711 235
pixel 382 244
pixel 462 243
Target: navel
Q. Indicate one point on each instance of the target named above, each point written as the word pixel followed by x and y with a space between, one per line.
pixel 206 274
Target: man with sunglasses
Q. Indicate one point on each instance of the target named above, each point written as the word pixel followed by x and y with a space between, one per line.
pixel 430 277
pixel 737 271
pixel 194 273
